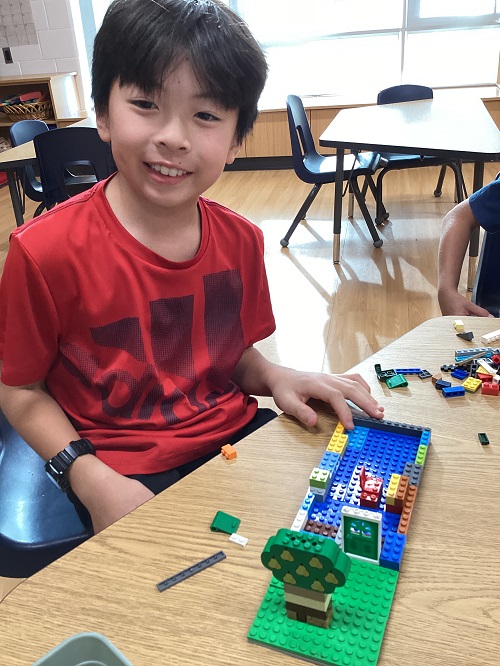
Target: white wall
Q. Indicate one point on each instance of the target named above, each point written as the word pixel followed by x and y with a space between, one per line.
pixel 56 50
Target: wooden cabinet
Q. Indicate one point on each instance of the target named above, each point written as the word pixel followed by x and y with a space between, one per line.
pixel 61 89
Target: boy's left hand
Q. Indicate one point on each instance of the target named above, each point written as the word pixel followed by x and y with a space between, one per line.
pixel 292 389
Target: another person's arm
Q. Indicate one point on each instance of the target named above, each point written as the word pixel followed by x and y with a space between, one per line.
pixel 458 225
pixel 37 417
pixel 291 389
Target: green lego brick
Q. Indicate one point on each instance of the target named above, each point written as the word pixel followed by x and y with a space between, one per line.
pixel 319 478
pixel 421 454
pixel 360 612
pixel 483 438
pixel 398 381
pixel 309 561
pixel 223 522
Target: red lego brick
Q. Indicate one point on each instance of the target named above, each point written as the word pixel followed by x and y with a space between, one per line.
pixel 489 388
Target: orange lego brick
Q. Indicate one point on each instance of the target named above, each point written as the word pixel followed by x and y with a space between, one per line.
pixel 404 521
pixel 228 451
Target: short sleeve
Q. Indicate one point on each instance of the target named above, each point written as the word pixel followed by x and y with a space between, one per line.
pixel 485 205
pixel 29 328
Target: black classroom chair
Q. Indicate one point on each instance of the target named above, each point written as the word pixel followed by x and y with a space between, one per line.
pixel 38 523
pixel 396 161
pixel 26 177
pixel 316 169
pixel 78 150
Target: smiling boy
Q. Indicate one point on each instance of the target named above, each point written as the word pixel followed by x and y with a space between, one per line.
pixel 128 314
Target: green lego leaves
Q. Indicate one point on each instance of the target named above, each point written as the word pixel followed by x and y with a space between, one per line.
pixel 309 561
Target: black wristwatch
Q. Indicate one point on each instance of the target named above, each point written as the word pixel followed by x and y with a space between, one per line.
pixel 59 464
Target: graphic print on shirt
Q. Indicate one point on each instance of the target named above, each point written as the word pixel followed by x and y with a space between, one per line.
pixel 139 366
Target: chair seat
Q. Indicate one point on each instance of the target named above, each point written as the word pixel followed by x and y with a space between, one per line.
pixel 322 168
pixel 408 161
pixel 38 523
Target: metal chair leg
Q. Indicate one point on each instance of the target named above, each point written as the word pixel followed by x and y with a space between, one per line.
pixel 381 214
pixel 301 214
pixel 377 241
pixel 439 186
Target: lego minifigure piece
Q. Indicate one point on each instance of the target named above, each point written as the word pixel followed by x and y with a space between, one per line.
pixel 190 571
pixel 223 522
pixel 228 451
pixel 424 374
pixel 483 438
pixel 453 391
pixel 471 384
pixel 458 325
pixel 488 338
pixel 489 388
pixel 240 540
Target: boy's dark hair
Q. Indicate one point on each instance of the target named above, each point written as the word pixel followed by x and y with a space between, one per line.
pixel 141 42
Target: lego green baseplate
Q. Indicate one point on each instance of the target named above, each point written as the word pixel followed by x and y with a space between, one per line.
pixel 360 612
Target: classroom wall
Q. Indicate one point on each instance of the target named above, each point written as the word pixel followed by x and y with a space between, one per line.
pixel 56 49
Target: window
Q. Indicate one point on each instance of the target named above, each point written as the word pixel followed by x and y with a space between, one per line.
pixel 334 47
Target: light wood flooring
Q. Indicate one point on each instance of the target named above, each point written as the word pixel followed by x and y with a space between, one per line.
pixel 331 317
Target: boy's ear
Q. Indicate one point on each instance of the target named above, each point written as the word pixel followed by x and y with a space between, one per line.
pixel 233 151
pixel 102 123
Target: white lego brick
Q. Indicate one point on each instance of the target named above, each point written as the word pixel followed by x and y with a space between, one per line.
pixel 300 520
pixel 240 540
pixel 487 367
pixel 491 337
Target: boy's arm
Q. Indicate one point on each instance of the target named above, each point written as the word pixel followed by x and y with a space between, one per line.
pixel 37 417
pixel 458 225
pixel 292 389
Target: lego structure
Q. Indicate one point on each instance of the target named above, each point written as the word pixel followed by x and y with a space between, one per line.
pixel 361 497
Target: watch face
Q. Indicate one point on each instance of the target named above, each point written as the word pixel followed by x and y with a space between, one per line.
pixel 55 471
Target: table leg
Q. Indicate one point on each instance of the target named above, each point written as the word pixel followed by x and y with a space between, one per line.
pixel 17 204
pixel 474 238
pixel 337 205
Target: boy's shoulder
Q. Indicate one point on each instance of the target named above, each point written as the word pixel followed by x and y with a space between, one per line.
pixel 219 213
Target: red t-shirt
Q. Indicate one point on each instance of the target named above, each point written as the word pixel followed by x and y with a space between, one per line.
pixel 138 350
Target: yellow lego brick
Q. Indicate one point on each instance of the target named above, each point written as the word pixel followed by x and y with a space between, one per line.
pixel 392 489
pixel 338 442
pixel 459 325
pixel 471 384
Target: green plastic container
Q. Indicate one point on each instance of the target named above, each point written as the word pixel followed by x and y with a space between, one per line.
pixel 87 649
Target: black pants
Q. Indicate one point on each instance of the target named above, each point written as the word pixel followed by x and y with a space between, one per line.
pixel 163 480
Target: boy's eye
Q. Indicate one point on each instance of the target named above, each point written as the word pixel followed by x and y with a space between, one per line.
pixel 205 115
pixel 143 103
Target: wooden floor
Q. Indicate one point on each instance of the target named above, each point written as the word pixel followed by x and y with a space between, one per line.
pixel 331 317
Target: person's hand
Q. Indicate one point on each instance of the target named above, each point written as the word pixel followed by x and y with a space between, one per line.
pixel 291 391
pixel 120 497
pixel 453 303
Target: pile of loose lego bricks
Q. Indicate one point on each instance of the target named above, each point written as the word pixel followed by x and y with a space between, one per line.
pixel 476 368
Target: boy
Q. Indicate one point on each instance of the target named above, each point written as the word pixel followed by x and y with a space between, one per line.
pixel 128 314
pixel 481 209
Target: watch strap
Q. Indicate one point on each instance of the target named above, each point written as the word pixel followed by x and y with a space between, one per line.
pixel 58 465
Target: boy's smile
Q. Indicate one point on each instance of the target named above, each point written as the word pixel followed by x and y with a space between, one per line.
pixel 169 146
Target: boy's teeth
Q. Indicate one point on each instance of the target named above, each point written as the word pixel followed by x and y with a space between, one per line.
pixel 166 171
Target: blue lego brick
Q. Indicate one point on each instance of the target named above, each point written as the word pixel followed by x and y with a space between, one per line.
pixel 453 391
pixel 458 373
pixel 441 384
pixel 392 551
pixel 425 439
pixel 408 371
pixel 330 461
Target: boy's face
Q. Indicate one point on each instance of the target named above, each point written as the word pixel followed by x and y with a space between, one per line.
pixel 169 146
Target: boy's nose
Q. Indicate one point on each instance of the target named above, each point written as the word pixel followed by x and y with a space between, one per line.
pixel 173 135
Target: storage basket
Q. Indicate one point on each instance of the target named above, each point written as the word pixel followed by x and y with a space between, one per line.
pixel 29 110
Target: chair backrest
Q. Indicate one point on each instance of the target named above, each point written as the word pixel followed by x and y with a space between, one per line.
pixel 404 93
pixel 22 132
pixel 300 136
pixel 38 523
pixel 60 149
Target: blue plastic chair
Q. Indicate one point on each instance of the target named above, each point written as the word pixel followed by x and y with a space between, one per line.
pixel 396 161
pixel 316 169
pixel 38 523
pixel 74 149
pixel 22 132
